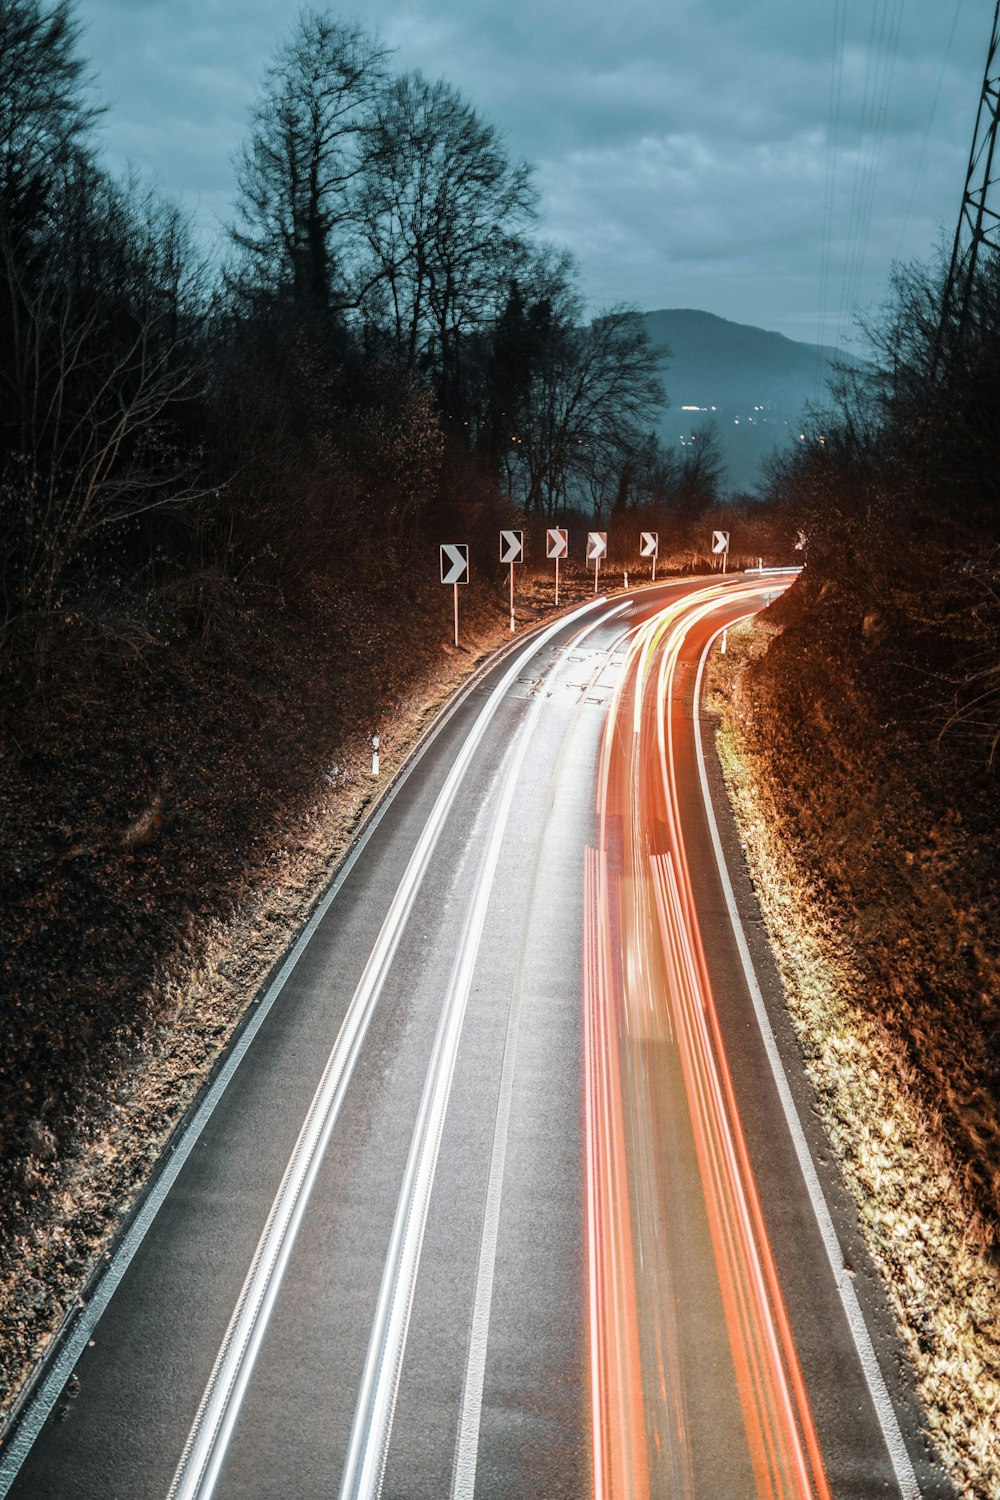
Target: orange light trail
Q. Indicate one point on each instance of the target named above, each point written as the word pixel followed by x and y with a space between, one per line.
pixel 646 989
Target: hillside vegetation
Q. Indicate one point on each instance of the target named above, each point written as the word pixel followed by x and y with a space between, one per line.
pixel 871 820
pixel 751 384
pixel 223 485
pixel 222 489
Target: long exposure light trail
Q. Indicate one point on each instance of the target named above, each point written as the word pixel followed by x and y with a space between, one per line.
pixel 651 1026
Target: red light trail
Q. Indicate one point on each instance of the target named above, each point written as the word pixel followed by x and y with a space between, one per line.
pixel 651 1025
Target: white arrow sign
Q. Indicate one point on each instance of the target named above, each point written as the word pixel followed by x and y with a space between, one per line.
pixel 556 541
pixel 650 544
pixel 454 562
pixel 597 545
pixel 720 541
pixel 511 546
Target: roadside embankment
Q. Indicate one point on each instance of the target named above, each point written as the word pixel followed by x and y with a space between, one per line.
pixel 176 788
pixel 872 845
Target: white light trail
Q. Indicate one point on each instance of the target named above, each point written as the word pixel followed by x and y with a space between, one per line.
pixel 201 1462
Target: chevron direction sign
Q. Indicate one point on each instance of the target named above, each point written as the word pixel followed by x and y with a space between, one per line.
pixel 512 551
pixel 597 545
pixel 454 562
pixel 511 546
pixel 720 541
pixel 649 546
pixel 556 545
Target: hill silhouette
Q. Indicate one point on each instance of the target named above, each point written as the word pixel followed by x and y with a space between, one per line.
pixel 753 383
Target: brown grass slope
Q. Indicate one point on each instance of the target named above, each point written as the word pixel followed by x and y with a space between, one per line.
pixel 873 839
pixel 176 786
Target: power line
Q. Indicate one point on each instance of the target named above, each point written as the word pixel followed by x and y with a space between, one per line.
pixel 879 72
pixel 829 193
pixel 930 122
pixel 880 112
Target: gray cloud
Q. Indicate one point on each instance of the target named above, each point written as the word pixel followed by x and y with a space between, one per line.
pixel 683 150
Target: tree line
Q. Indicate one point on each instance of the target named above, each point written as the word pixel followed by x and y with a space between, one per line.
pixel 896 494
pixel 384 342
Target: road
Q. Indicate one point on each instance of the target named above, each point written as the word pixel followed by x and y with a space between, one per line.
pixel 511 1186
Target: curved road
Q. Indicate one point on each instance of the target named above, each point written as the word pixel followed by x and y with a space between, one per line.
pixel 511 1186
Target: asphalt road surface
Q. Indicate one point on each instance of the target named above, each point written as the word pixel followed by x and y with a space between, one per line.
pixel 511 1186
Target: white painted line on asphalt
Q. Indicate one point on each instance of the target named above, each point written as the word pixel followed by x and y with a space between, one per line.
pixel 76 1341
pixel 371 1429
pixel 467 1442
pixel 906 1479
pixel 205 1449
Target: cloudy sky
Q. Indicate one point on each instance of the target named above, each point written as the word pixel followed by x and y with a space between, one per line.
pixel 765 160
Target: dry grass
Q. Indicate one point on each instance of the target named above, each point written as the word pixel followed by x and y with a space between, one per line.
pixel 83 1174
pixel 251 888
pixel 926 1235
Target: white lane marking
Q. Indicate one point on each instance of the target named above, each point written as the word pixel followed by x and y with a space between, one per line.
pixel 44 1400
pixel 369 1441
pixel 906 1479
pixel 208 1439
pixel 467 1441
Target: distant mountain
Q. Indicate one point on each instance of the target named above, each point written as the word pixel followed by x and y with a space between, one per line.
pixel 752 383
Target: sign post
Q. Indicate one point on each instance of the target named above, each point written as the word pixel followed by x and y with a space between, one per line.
pixel 556 545
pixel 649 546
pixel 720 543
pixel 597 546
pixel 455 570
pixel 511 551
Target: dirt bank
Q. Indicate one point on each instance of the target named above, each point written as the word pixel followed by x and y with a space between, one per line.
pixel 176 789
pixel 873 848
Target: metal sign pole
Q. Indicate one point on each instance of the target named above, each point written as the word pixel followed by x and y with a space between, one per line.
pixel 597 569
pixel 456 613
pixel 653 580
pixel 512 598
pixel 725 559
pixel 557 579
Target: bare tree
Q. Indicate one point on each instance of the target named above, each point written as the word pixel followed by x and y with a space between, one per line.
pixel 44 120
pixel 699 473
pixel 296 170
pixel 43 114
pixel 105 365
pixel 592 398
pixel 441 208
pixel 539 298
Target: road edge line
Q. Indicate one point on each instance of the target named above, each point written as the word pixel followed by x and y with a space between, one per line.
pixel 29 1416
pixel 466 1457
pixel 885 1412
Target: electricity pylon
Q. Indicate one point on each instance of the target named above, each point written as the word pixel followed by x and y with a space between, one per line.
pixel 978 222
